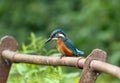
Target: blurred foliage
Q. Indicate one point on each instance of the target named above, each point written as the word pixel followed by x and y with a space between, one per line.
pixel 94 23
pixel 36 45
pixel 30 73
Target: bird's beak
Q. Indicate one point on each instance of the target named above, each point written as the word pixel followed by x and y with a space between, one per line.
pixel 49 39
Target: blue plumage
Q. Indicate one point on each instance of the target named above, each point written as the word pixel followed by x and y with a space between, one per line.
pixel 56 32
pixel 79 52
pixel 70 46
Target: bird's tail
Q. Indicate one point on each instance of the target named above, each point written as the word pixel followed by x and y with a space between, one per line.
pixel 80 52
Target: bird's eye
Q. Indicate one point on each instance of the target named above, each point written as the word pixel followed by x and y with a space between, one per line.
pixel 57 34
pixel 52 36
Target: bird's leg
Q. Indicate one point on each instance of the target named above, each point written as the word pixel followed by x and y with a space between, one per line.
pixel 61 56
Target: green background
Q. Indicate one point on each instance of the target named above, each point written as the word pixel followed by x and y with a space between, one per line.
pixel 89 24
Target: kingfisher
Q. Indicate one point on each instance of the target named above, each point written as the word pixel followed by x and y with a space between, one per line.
pixel 64 45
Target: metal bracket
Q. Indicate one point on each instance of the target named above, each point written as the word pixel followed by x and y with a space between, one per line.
pixel 89 75
pixel 6 43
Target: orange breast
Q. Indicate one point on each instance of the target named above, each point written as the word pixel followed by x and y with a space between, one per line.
pixel 62 48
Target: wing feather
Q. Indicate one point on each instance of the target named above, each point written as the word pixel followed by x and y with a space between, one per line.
pixel 70 45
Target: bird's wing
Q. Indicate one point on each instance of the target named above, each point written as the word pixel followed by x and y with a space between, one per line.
pixel 70 45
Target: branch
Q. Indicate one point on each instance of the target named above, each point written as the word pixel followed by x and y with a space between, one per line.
pixel 65 61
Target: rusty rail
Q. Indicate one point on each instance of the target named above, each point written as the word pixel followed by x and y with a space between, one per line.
pixel 92 66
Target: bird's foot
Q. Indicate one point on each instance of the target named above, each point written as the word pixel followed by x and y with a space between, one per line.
pixel 61 57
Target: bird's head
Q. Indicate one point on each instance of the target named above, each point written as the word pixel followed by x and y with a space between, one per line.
pixel 58 33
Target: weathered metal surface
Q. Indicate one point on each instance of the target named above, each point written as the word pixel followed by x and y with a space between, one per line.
pixel 89 75
pixel 8 43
